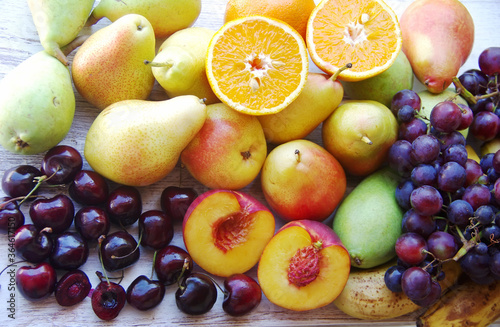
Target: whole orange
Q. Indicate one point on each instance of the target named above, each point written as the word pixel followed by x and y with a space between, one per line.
pixel 293 12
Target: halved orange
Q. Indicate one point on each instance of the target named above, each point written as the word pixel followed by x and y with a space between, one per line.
pixel 364 33
pixel 257 65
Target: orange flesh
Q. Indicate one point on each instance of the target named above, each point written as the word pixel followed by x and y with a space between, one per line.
pixel 257 65
pixel 362 34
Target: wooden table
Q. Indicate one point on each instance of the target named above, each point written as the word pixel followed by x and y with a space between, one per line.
pixel 18 41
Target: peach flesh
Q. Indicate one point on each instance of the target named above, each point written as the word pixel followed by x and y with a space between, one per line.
pixel 292 278
pixel 226 231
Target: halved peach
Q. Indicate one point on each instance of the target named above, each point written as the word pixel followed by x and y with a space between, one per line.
pixel 304 266
pixel 226 231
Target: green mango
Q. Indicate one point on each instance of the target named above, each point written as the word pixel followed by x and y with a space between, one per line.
pixel 368 221
pixel 37 105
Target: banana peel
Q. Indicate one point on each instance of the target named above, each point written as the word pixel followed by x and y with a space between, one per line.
pixel 365 295
pixel 465 304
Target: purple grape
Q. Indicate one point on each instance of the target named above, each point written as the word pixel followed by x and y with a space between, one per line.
pixel 491 234
pixel 474 81
pixel 475 264
pixel 489 61
pixel 392 278
pixel 473 172
pixel 486 162
pixel 495 264
pixel 485 126
pixel 477 195
pixel 411 248
pixel 405 97
pixel 467 117
pixel 456 153
pixel 425 149
pixel 432 297
pixel 484 215
pixel 406 113
pixel 451 177
pixel 442 245
pixel 399 157
pixel 459 212
pixel 448 139
pixel 411 130
pixel 416 283
pixel 446 116
pixel 403 192
pixel 424 174
pixel 416 223
pixel 426 200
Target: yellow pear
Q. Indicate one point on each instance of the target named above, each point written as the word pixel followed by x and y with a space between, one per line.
pixel 179 66
pixel 58 22
pixel 320 97
pixel 166 16
pixel 359 134
pixel 109 66
pixel 138 142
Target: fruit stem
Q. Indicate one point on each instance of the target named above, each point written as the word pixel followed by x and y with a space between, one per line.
pixel 463 91
pixel 340 70
pixel 167 64
pixel 297 155
pixel 99 274
pixel 185 266
pixel 10 265
pixel 365 139
pixel 467 244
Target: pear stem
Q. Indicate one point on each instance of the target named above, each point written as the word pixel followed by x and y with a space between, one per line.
pixel 297 155
pixel 340 70
pixel 365 139
pixel 168 64
pixel 77 42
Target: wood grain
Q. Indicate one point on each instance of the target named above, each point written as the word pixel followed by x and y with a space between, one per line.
pixel 18 41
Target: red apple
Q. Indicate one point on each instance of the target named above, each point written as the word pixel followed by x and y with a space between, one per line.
pixel 226 231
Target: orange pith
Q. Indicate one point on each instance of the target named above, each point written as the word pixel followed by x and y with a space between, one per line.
pixel 364 33
pixel 257 65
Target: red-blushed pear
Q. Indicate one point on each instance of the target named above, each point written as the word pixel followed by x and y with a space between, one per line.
pixel 229 150
pixel 109 66
pixel 437 39
pixel 320 97
pixel 301 180
pixel 304 266
pixel 226 231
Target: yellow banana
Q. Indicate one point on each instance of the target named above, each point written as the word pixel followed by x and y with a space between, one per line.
pixel 365 295
pixel 465 304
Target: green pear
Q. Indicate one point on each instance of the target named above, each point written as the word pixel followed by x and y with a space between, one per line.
pixel 37 105
pixel 109 66
pixel 320 97
pixel 58 22
pixel 138 142
pixel 179 66
pixel 166 16
pixel 368 221
pixel 384 86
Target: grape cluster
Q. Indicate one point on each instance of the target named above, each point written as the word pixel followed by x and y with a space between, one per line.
pixel 480 87
pixel 450 201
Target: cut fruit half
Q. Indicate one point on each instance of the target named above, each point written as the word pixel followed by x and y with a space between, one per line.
pixel 364 33
pixel 257 65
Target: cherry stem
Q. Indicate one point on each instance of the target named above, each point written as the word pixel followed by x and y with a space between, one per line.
pixel 153 265
pixel 99 244
pixel 340 70
pixel 39 181
pixel 185 266
pixel 135 249
pixel 3 204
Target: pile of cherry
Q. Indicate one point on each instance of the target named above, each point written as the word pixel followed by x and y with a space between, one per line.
pixel 50 246
pixel 451 202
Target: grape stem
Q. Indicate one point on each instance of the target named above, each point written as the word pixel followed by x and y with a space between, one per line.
pixel 467 244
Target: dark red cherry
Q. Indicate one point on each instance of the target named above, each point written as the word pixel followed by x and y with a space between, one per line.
pixel 241 294
pixel 169 263
pixel 61 164
pixel 11 217
pixel 32 244
pixel 18 181
pixel 124 205
pixel 156 229
pixel 175 201
pixel 108 299
pixel 89 188
pixel 119 250
pixel 72 288
pixel 144 293
pixel 92 222
pixel 56 212
pixel 36 283
pixel 70 251
pixel 196 294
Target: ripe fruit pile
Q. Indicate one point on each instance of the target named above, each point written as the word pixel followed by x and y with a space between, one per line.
pixel 50 245
pixel 451 201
